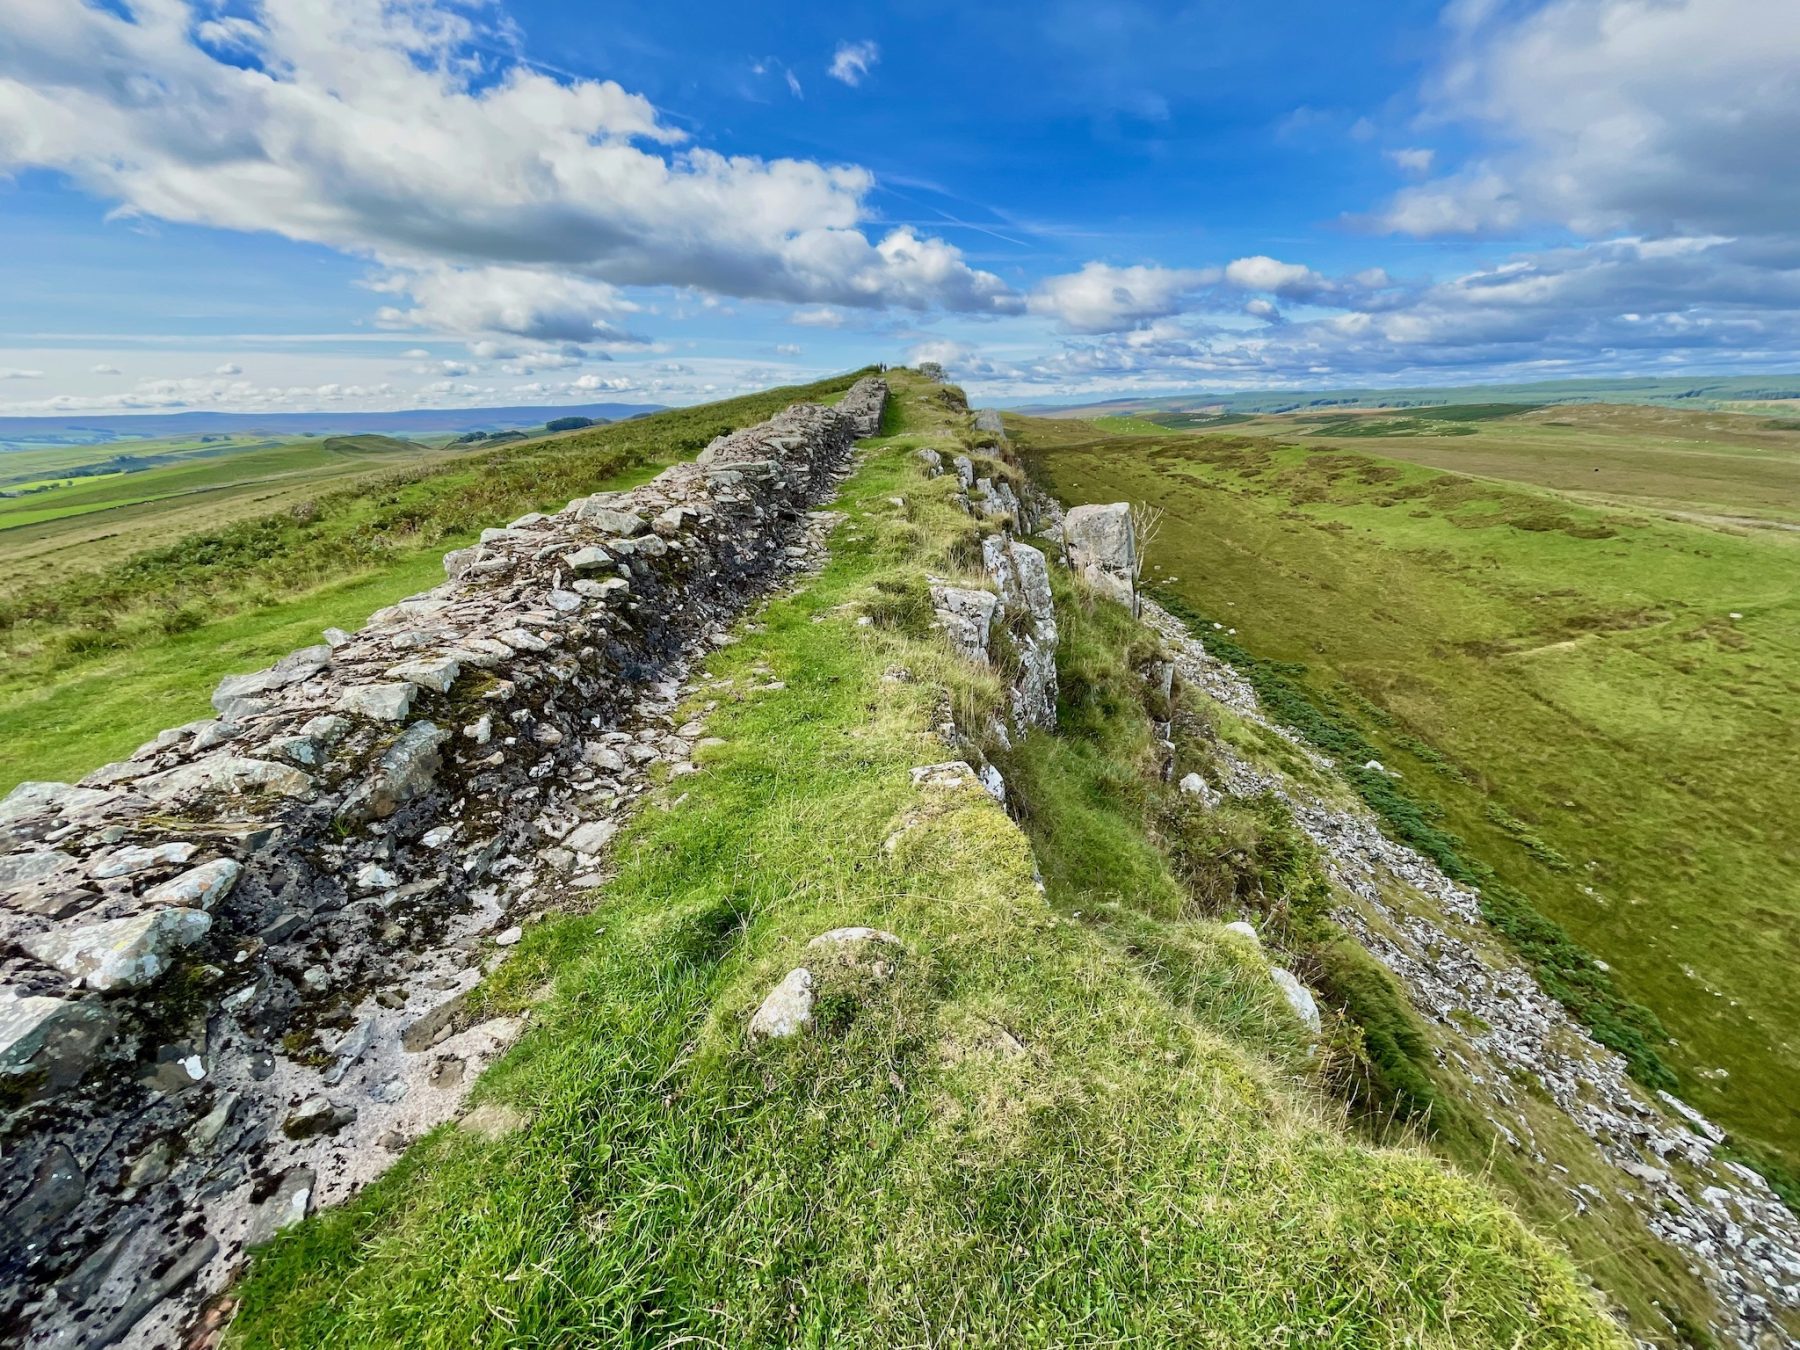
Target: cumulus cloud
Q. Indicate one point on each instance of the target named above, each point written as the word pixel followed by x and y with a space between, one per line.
pixel 1104 299
pixel 105 369
pixel 1659 117
pixel 386 129
pixel 852 61
pixel 229 368
pixel 1625 303
pixel 1100 298
pixel 16 373
pixel 530 302
pixel 817 317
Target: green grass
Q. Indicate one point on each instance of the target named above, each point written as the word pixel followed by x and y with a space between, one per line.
pixel 94 664
pixel 1579 724
pixel 1031 1135
pixel 195 478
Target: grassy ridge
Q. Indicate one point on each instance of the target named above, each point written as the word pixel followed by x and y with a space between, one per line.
pixel 1031 1135
pixel 93 664
pixel 1579 722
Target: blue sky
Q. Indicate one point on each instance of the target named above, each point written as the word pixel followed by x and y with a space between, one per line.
pixel 250 204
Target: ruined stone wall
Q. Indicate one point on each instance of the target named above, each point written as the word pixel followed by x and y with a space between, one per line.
pixel 235 948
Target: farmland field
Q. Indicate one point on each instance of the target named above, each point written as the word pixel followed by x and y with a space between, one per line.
pixel 82 508
pixel 1574 636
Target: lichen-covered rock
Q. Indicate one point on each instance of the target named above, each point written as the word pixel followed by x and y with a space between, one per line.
pixel 590 838
pixel 201 888
pixel 120 953
pixel 1101 543
pixel 407 769
pixel 54 1037
pixel 1193 785
pixel 945 777
pixel 965 615
pixel 428 672
pixel 382 702
pixel 787 1009
pixel 1299 998
pixel 1028 609
pixel 237 692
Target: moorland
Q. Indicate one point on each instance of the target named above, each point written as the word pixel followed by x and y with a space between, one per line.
pixel 1557 649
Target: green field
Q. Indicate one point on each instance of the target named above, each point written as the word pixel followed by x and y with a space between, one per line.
pixel 1586 680
pixel 111 632
pixel 85 508
pixel 1707 467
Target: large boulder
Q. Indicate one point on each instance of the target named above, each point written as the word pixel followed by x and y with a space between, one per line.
pixel 1102 546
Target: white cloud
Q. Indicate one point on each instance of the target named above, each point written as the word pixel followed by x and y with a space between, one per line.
pixel 1617 305
pixel 1100 298
pixel 416 354
pixel 817 317
pixel 1674 117
pixel 1104 299
pixel 530 302
pixel 173 395
pixel 588 384
pixel 852 61
pixel 1412 160
pixel 1262 273
pixel 787 349
pixel 548 358
pixel 388 130
pixel 105 369
pixel 16 373
pixel 229 368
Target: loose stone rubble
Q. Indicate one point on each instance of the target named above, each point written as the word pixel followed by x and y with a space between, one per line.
pixel 232 966
pixel 1721 1218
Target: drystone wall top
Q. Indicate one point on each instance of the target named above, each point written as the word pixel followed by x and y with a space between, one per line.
pixel 187 934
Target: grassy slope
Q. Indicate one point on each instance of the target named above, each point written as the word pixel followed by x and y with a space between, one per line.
pixel 1034 1134
pixel 1142 864
pixel 92 665
pixel 1563 683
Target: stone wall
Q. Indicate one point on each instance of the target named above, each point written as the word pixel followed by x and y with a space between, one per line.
pixel 228 959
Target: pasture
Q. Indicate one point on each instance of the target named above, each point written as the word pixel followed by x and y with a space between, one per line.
pixel 1573 640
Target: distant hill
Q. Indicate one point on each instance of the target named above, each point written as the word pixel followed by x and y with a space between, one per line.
pixel 1692 391
pixel 80 429
pixel 369 445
